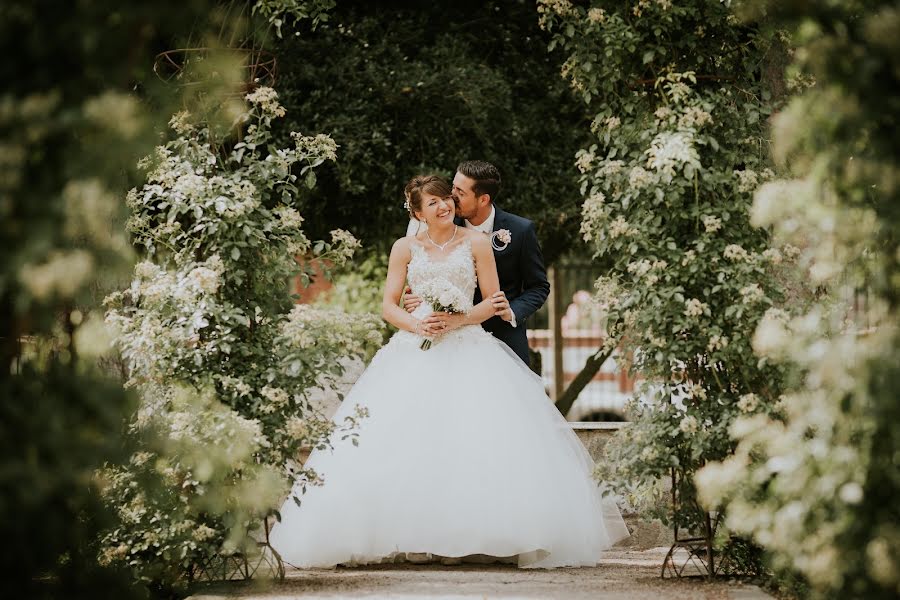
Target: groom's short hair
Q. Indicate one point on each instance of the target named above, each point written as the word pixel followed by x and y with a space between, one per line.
pixel 486 176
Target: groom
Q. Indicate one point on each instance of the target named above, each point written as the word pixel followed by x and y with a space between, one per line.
pixel 520 265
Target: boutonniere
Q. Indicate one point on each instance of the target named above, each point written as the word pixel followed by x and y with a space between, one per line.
pixel 500 239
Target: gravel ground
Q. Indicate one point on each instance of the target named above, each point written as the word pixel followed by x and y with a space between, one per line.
pixel 625 575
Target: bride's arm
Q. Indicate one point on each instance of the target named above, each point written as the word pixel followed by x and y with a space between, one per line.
pixel 393 288
pixel 488 280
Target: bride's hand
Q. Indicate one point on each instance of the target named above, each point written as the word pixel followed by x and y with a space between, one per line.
pixel 447 322
pixel 433 325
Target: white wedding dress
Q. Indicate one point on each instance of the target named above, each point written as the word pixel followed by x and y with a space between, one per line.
pixel 462 454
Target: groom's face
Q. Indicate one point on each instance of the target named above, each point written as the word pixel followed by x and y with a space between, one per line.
pixel 467 202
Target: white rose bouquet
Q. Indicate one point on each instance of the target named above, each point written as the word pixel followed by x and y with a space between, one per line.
pixel 442 296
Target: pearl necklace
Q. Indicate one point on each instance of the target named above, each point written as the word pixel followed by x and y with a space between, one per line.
pixel 444 245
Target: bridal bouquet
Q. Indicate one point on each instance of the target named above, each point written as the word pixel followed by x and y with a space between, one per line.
pixel 443 296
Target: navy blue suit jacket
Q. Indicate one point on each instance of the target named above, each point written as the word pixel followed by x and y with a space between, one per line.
pixel 523 277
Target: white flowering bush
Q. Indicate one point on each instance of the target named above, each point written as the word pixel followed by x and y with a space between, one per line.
pixel 819 488
pixel 192 492
pixel 209 310
pixel 679 105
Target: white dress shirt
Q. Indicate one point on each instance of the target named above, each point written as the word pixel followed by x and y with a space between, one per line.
pixel 488 225
pixel 487 228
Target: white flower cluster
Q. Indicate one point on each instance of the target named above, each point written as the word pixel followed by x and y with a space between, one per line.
pixel 647 270
pixel 596 15
pixel 297 428
pixel 663 112
pixel 694 117
pixel 160 327
pixel 695 308
pixel 607 168
pixel 320 146
pixel 639 178
pixel 717 342
pixel 277 397
pixel 621 228
pixel 181 122
pixel 679 91
pixel 176 184
pixel 584 160
pixel 236 386
pixel 773 255
pixel 748 180
pixel 711 223
pixel 640 268
pixel 548 8
pixel 233 198
pixel 748 403
pixel 344 245
pixel 791 252
pixel 267 100
pixel 735 252
pixel 606 292
pixel 593 214
pixel 698 391
pixel 671 151
pixel 689 424
pixel 307 327
pixel 752 293
pixel 289 217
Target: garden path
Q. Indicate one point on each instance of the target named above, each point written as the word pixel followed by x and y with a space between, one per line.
pixel 622 575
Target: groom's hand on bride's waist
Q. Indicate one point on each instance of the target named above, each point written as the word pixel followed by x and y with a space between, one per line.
pixel 409 301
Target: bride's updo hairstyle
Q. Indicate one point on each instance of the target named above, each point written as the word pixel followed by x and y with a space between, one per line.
pixel 424 184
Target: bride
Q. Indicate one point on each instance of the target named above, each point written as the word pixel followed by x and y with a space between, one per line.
pixel 462 453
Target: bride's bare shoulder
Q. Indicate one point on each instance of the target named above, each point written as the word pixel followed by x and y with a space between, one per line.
pixel 478 240
pixel 403 246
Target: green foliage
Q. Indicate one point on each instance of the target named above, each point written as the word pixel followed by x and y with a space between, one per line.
pixel 275 11
pixel 820 489
pixel 225 365
pixel 179 499
pixel 679 103
pixel 57 426
pixel 69 135
pixel 361 289
pixel 408 89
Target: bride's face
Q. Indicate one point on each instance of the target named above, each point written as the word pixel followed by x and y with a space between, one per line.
pixel 436 210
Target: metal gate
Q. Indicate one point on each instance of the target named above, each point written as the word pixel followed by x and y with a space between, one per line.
pixel 566 331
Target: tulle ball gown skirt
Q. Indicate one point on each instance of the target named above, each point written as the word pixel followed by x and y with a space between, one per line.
pixel 462 454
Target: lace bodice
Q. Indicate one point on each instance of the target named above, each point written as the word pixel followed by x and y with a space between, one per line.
pixel 458 267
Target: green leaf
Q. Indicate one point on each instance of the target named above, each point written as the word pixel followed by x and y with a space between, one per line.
pixel 235 253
